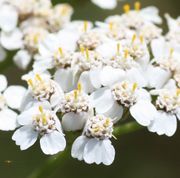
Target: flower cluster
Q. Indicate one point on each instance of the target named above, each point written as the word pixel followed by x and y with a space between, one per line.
pixel 88 76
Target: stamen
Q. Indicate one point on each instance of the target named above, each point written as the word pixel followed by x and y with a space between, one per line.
pixel 60 52
pixel 36 38
pixel 82 49
pixel 85 26
pixel 79 87
pixel 38 77
pixel 106 124
pixel 178 92
pixel 126 53
pixel 141 39
pixel 118 48
pixel 134 87
pixel 64 11
pixel 111 24
pixel 30 82
pixel 133 38
pixel 87 53
pixel 137 6
pixel 41 109
pixel 75 94
pixel 171 52
pixel 126 8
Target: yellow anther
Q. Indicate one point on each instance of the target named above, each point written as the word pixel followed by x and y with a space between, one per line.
pixel 44 120
pixel 60 50
pixel 106 124
pixel 134 87
pixel 38 77
pixel 133 38
pixel 79 87
pixel 96 129
pixel 137 6
pixel 82 49
pixel 75 94
pixel 171 52
pixel 87 53
pixel 36 38
pixel 64 10
pixel 178 92
pixel 141 38
pixel 85 26
pixel 30 82
pixel 41 109
pixel 126 53
pixel 111 25
pixel 126 8
pixel 118 48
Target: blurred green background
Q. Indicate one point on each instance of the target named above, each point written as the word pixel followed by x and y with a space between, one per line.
pixel 138 155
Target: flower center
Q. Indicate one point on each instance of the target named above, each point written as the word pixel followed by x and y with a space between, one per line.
pixel 168 100
pixel 44 122
pixel 75 101
pixel 99 127
pixel 41 89
pixel 90 40
pixel 86 60
pixel 62 59
pixel 125 93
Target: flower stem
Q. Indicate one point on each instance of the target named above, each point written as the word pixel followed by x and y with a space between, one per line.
pixel 52 164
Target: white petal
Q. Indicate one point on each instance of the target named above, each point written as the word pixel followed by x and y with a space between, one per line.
pixel 143 112
pixel 65 78
pixel 86 83
pixel 102 100
pixel 26 117
pixel 157 77
pixel 115 112
pixel 137 76
pixel 151 14
pixel 77 150
pixel 109 76
pixel 8 17
pixel 2 54
pixel 164 123
pixel 158 46
pixel 52 143
pixel 22 59
pixel 25 137
pixel 94 75
pixel 12 40
pixel 14 95
pixel 105 4
pixel 143 94
pixel 99 151
pixel 3 82
pixel 72 121
pixel 8 119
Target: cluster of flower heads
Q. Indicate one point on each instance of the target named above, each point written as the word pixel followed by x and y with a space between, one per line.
pixel 87 77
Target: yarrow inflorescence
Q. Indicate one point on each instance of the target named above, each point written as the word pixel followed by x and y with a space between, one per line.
pixel 88 76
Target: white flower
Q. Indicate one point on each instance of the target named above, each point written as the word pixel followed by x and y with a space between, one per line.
pixel 10 98
pixel 76 109
pixel 112 101
pixel 105 4
pixel 42 88
pixel 40 121
pixel 164 64
pixel 94 145
pixel 168 109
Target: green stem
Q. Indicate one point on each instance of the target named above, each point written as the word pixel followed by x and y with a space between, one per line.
pixel 127 128
pixel 50 166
